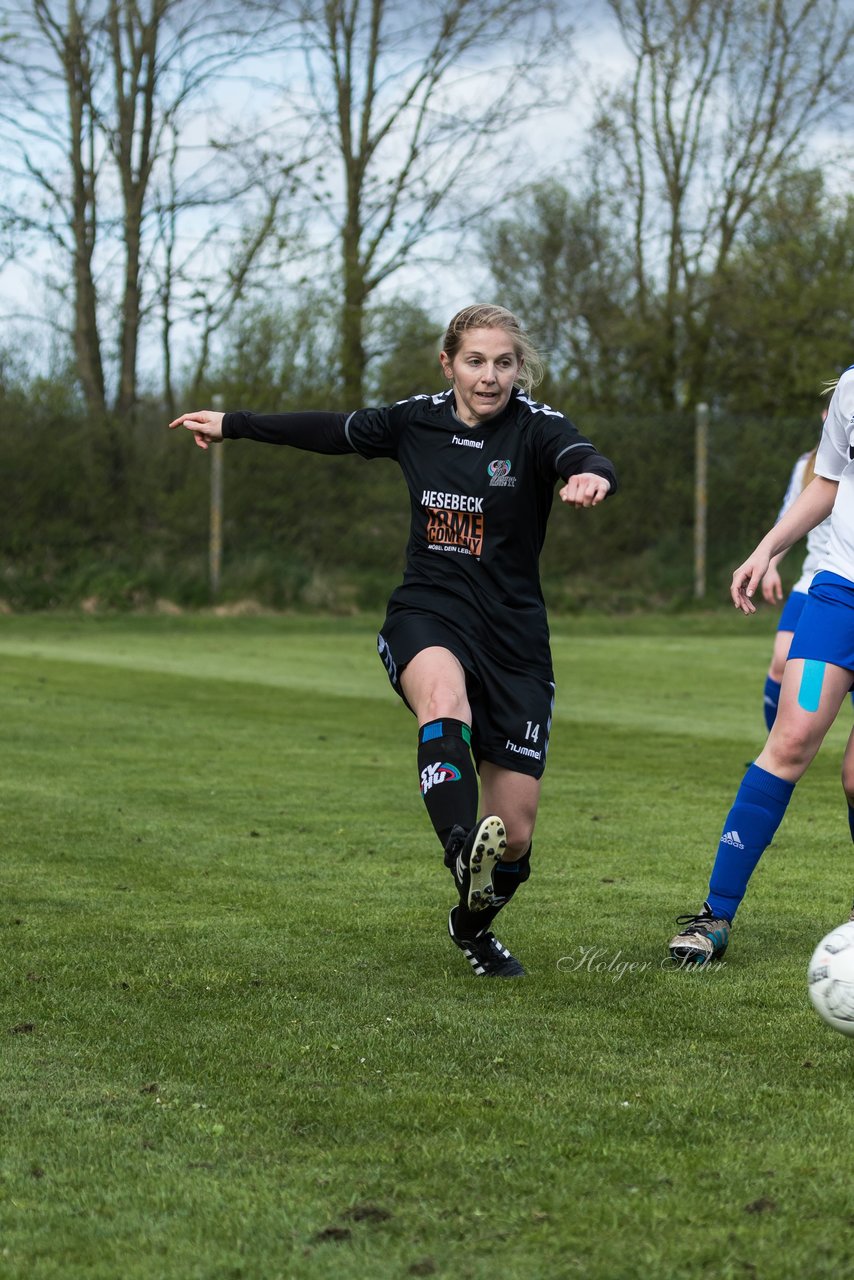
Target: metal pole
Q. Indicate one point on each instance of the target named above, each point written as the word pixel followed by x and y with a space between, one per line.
pixel 215 549
pixel 701 458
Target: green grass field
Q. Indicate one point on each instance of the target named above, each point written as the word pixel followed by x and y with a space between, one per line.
pixel 237 1043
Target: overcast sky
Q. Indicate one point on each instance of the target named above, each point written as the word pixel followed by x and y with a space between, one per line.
pixel 545 144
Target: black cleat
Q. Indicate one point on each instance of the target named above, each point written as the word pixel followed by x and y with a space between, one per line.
pixel 488 957
pixel 456 840
pixel 471 860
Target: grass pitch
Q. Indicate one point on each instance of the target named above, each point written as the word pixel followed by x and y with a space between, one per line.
pixel 237 1043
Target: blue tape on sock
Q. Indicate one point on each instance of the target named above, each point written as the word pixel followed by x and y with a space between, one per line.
pixel 812 678
pixel 445 729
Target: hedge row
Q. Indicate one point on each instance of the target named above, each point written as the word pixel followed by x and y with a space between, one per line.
pixel 119 516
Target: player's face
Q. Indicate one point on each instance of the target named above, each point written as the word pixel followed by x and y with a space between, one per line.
pixel 483 372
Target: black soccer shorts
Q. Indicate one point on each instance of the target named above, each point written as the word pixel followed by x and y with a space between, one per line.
pixel 511 708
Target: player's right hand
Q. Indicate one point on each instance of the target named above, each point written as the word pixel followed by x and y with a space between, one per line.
pixel 205 424
pixel 746 579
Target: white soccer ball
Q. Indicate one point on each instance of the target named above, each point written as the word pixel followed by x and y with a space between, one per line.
pixel 831 979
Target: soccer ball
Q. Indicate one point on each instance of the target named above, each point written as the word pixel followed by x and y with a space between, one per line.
pixel 831 979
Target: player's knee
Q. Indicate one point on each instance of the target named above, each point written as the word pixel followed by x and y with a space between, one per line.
pixel 788 749
pixel 519 832
pixel 444 701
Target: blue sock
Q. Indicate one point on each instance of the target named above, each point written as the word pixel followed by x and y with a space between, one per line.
pixel 749 828
pixel 771 701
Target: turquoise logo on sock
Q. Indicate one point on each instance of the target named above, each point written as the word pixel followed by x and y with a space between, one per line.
pixel 436 773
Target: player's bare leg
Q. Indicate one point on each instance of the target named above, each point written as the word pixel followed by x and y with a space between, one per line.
pixel 516 796
pixel 774 678
pixel 434 684
pixel 810 697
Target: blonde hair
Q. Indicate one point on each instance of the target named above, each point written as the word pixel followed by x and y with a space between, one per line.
pixel 486 315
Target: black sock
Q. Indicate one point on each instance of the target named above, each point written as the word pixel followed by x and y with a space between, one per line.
pixel 506 879
pixel 448 776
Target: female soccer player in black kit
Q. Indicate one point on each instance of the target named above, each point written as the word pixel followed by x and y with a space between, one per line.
pixel 465 640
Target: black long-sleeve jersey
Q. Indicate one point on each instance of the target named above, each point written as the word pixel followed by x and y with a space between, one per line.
pixel 480 500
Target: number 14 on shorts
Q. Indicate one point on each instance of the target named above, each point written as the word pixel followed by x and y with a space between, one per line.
pixel 532 732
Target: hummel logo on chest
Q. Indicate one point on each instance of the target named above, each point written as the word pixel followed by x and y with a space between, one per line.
pixel 469 444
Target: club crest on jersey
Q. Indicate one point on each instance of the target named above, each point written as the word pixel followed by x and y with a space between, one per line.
pixel 499 474
pixel 436 773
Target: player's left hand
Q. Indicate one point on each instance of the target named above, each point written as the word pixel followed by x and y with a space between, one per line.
pixel 585 490
pixel 772 586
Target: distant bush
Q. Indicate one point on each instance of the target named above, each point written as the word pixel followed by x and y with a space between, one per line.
pixel 118 515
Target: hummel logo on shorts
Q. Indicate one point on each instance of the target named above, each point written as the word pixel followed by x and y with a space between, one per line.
pixel 733 838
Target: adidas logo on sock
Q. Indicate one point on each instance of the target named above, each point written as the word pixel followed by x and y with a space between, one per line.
pixel 733 838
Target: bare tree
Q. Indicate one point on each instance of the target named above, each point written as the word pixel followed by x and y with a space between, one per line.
pixel 252 232
pixel 722 96
pixel 412 109
pixel 132 36
pixel 93 115
pixel 57 60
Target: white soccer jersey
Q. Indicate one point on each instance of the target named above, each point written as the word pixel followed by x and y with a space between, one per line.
pixel 835 461
pixel 817 538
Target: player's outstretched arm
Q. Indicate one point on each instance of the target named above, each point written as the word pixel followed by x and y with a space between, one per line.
pixel 585 490
pixel 205 424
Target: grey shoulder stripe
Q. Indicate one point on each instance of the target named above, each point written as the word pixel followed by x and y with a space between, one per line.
pixel 350 418
pixel 569 448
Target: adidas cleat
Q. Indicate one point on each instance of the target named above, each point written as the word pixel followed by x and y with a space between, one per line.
pixel 488 957
pixel 473 860
pixel 704 937
pixel 487 846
